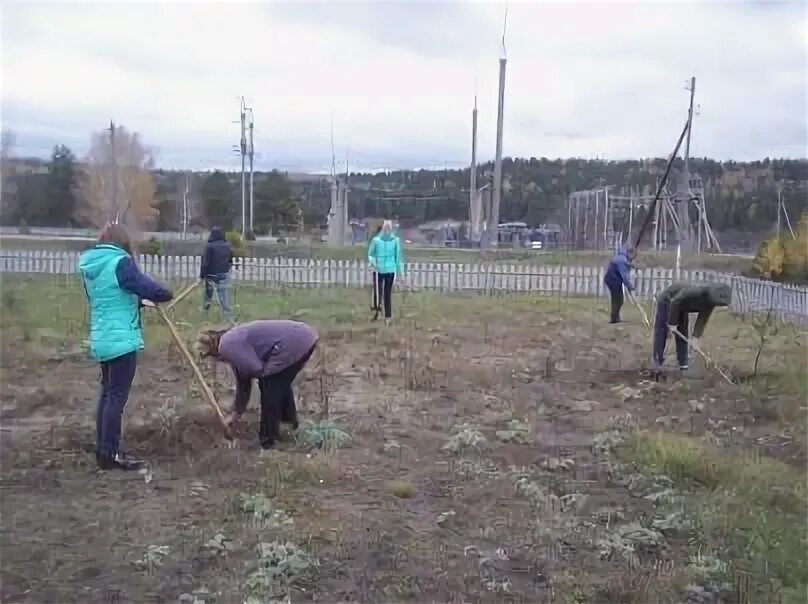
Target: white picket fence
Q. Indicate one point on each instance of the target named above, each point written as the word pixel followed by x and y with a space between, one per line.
pixel 787 302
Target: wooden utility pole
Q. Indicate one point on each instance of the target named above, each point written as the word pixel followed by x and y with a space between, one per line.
pixel 684 206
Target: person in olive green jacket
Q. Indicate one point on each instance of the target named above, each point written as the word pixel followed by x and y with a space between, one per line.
pixel 674 305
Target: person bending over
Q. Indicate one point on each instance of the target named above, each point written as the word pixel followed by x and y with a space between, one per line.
pixel 674 305
pixel 115 290
pixel 618 274
pixel 270 351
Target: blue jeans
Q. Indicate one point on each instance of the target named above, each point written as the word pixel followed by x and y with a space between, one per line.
pixel 221 285
pixel 116 381
pixel 661 334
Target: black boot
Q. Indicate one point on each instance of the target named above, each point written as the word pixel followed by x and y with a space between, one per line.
pixel 119 461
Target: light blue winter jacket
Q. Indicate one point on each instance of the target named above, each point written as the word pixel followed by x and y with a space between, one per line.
pixel 385 254
pixel 115 328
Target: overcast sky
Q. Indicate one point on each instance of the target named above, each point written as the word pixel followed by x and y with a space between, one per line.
pixel 583 79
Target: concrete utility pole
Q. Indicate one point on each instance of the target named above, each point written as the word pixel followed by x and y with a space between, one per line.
pixel 497 193
pixel 474 196
pixel 113 211
pixel 243 147
pixel 252 193
pixel 493 228
pixel 779 206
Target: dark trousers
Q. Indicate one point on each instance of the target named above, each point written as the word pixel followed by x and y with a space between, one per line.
pixel 278 401
pixel 116 382
pixel 384 283
pixel 616 298
pixel 661 335
pixel 375 305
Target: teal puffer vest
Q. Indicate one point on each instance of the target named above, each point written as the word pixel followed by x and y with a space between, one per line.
pixel 115 328
pixel 385 254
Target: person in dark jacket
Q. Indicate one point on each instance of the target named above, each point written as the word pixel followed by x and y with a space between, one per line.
pixel 618 274
pixel 273 352
pixel 115 290
pixel 214 271
pixel 674 304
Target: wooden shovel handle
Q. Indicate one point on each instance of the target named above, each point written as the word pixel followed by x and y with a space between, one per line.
pixel 197 372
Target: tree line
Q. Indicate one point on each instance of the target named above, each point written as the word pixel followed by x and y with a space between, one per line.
pixel 123 184
pixel 64 191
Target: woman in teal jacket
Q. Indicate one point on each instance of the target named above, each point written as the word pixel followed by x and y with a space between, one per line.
pixel 115 290
pixel 386 258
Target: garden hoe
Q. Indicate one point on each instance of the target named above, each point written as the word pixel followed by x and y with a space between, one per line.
pixel 706 357
pixel 197 372
pixel 642 310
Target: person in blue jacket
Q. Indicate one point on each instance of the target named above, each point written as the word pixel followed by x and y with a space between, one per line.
pixel 115 290
pixel 618 274
pixel 386 258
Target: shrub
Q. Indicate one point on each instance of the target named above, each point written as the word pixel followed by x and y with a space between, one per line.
pixel 23 228
pixel 784 258
pixel 150 247
pixel 236 241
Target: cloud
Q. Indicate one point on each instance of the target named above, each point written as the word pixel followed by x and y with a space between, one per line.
pixel 583 78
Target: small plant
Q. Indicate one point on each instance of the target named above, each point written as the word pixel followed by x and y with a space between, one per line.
pixel 167 416
pixel 402 490
pixel 324 434
pixel 264 513
pixel 765 326
pixel 517 432
pixel 219 545
pixel 152 558
pixel 278 567
pixel 465 436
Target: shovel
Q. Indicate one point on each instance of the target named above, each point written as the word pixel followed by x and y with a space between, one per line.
pixel 197 372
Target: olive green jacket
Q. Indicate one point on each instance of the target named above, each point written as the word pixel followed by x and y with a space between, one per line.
pixel 702 298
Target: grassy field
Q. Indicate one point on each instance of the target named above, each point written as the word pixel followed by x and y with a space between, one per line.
pixel 730 264
pixel 480 449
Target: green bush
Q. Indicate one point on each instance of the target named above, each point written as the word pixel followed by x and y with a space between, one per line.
pixel 23 228
pixel 237 243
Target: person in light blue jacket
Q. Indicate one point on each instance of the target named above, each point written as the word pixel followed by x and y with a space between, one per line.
pixel 385 256
pixel 115 290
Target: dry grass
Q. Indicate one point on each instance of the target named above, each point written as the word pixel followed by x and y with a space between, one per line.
pixel 445 411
